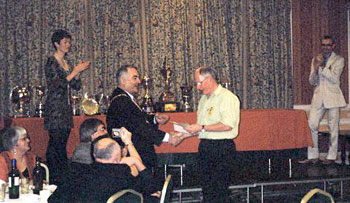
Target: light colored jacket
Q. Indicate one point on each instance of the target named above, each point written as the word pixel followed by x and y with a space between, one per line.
pixel 327 82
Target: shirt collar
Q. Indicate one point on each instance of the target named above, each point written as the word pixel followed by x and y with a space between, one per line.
pixel 130 95
pixel 216 91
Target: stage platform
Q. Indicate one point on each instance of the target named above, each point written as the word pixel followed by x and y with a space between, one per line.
pixel 267 180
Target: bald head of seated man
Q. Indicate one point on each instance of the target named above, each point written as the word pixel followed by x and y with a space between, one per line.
pixel 109 174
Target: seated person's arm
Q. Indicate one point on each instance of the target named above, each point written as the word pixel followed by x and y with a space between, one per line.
pixel 135 165
pixel 3 169
pixel 126 138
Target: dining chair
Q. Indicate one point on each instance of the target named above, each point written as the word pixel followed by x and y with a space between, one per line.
pixel 47 178
pixel 127 195
pixel 167 187
pixel 315 191
pixel 180 166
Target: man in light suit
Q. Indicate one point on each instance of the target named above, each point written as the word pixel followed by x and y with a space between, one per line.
pixel 326 69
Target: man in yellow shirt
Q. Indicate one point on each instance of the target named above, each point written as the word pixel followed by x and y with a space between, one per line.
pixel 217 126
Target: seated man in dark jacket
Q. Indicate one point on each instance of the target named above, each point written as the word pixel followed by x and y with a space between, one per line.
pixel 89 130
pixel 109 174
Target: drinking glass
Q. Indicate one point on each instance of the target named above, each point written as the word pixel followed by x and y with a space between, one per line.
pixel 2 191
pixel 24 188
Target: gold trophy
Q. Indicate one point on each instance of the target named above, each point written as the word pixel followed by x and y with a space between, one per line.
pixel 89 105
pixel 167 101
pixel 40 93
pixel 186 96
pixel 147 103
pixel 20 97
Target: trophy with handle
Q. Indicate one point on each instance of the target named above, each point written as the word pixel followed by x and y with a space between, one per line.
pixel 167 99
pixel 75 105
pixel 40 93
pixel 20 97
pixel 186 96
pixel 147 103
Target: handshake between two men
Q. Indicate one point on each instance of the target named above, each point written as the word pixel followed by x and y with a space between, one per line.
pixel 181 130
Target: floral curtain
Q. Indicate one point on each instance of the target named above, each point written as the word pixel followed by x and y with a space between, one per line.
pixel 105 32
pixel 26 31
pixel 269 82
pixel 114 41
pixel 247 42
pixel 189 34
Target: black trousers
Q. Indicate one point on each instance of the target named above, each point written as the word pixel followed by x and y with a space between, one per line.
pixel 56 154
pixel 216 160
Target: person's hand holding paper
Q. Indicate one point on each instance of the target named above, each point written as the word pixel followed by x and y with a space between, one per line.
pixel 180 127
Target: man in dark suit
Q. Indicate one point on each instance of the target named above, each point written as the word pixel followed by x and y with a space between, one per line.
pixel 124 111
pixel 109 174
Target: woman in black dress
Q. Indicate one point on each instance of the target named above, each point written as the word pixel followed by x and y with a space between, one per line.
pixel 58 115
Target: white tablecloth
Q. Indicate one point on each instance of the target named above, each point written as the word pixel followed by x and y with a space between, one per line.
pixel 33 198
pixel 24 198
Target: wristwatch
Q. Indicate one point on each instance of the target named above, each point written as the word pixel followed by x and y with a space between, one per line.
pixel 128 144
pixel 203 129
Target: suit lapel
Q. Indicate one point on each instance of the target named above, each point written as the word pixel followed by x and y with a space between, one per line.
pixel 133 101
pixel 331 60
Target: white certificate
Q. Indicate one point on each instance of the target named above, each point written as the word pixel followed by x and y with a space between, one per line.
pixel 180 127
